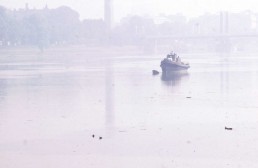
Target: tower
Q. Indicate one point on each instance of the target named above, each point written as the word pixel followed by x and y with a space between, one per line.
pixel 224 42
pixel 26 6
pixel 108 14
pixel 224 23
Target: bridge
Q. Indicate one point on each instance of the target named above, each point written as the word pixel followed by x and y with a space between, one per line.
pixel 219 36
pixel 218 42
pixel 222 40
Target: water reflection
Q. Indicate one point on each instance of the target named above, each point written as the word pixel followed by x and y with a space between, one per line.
pixel 3 90
pixel 174 78
pixel 109 94
pixel 224 73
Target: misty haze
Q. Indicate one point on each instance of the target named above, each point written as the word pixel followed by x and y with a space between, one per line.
pixel 111 84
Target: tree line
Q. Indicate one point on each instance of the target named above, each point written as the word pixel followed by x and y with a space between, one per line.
pixel 45 27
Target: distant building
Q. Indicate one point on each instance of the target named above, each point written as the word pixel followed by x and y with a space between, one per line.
pixel 242 23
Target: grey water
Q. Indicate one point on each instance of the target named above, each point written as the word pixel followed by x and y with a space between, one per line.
pixel 51 107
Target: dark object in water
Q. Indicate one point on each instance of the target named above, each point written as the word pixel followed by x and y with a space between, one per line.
pixel 93 136
pixel 155 72
pixel 188 97
pixel 227 128
pixel 100 137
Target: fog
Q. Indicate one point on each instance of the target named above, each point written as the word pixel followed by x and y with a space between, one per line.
pixel 78 88
pixel 94 9
pixel 45 27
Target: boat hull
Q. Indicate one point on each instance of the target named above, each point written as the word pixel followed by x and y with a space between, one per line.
pixel 170 66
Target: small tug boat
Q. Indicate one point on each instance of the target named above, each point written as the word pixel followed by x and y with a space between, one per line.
pixel 173 63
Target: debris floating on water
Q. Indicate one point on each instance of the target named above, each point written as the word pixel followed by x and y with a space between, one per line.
pixel 155 72
pixel 228 128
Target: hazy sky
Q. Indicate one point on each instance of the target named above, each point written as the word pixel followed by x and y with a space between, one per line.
pixel 94 8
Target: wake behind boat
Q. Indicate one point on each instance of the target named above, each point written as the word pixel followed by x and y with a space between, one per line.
pixel 173 63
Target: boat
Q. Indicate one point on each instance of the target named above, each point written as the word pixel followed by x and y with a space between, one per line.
pixel 173 63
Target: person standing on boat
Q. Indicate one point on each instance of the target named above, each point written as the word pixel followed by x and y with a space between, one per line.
pixel 173 57
pixel 170 54
pixel 178 59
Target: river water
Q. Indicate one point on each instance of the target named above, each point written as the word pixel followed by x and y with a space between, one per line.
pixel 50 106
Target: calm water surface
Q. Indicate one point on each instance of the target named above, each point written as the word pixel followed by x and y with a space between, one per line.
pixel 50 108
